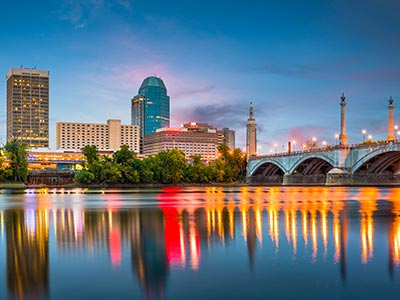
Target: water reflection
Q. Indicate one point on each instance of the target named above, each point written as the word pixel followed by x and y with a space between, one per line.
pixel 27 253
pixel 175 234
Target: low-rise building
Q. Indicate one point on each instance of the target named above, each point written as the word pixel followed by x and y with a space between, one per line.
pixel 110 136
pixel 191 138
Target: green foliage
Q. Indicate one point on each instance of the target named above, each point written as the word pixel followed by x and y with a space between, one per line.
pixel 144 168
pixel 166 167
pixel 197 171
pixel 85 177
pixel 129 175
pixel 124 156
pixel 17 154
pixel 90 152
pixel 230 166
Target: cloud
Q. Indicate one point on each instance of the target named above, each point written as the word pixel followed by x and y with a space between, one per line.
pixel 193 91
pixel 231 115
pixel 301 134
pixel 347 69
pixel 72 11
pixel 82 12
pixel 125 3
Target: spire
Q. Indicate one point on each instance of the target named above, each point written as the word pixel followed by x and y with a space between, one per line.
pixel 343 135
pixel 390 136
pixel 251 112
pixel 251 134
pixel 343 98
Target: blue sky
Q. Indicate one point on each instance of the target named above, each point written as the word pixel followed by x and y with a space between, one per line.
pixel 293 59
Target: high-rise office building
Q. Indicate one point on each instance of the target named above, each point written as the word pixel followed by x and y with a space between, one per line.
pixel 150 108
pixel 28 106
pixel 228 137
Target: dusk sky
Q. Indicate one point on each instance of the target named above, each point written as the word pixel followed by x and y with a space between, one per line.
pixel 293 59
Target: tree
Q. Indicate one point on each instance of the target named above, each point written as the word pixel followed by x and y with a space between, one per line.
pixel 169 166
pixel 16 152
pixel 124 156
pixel 231 164
pixel 90 152
pixel 84 176
pixel 144 168
pixel 311 144
pixel 197 171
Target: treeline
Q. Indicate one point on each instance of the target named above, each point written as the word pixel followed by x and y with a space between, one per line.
pixel 14 162
pixel 166 167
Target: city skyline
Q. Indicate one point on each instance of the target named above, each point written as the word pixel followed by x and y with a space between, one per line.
pixel 292 60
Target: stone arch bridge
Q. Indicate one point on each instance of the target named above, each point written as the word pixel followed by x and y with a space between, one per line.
pixel 375 163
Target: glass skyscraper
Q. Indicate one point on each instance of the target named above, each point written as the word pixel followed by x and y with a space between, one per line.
pixel 150 108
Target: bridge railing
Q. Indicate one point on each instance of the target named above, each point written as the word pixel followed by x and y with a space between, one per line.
pixel 325 148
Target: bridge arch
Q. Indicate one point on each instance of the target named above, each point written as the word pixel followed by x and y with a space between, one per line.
pixel 267 171
pixel 264 162
pixel 314 162
pixel 379 161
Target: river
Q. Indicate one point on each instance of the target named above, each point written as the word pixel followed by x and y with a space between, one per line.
pixel 200 243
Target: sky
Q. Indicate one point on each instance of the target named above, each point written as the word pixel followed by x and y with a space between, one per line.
pixel 292 59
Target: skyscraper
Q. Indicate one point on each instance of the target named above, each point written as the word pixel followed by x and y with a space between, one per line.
pixel 28 106
pixel 150 108
pixel 228 137
pixel 251 136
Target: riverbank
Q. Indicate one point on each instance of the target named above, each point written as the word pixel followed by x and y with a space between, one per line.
pixel 178 185
pixel 13 185
pixel 140 185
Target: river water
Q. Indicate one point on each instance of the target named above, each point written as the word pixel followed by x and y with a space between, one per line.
pixel 200 243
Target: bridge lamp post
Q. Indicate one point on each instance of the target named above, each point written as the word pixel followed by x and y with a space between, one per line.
pixel 324 144
pixel 294 145
pixel 314 142
pixel 398 135
pixel 364 132
pixel 337 138
pixel 370 138
pixel 276 147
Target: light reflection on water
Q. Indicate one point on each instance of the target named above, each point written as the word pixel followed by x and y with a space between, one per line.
pixel 192 243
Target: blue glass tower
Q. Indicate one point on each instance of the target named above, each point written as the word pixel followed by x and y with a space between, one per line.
pixel 150 108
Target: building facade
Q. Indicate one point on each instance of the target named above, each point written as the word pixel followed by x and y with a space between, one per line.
pixel 28 106
pixel 110 136
pixel 228 137
pixel 191 138
pixel 150 108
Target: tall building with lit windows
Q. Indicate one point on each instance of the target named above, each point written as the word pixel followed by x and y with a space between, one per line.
pixel 150 108
pixel 28 106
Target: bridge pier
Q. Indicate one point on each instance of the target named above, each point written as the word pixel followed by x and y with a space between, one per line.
pixel 300 179
pixel 338 176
